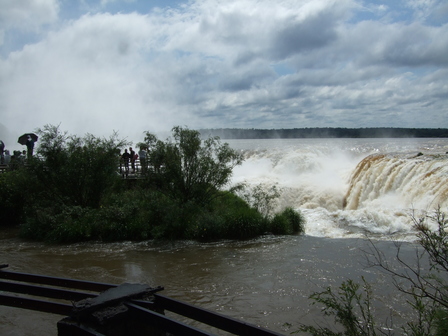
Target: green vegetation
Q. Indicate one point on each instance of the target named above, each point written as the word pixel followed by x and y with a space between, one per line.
pixel 193 170
pixel 71 191
pixel 426 288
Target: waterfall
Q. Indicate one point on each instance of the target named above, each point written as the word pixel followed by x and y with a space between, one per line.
pixel 417 181
pixel 352 187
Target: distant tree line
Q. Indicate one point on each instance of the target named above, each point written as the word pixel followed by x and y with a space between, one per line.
pixel 328 132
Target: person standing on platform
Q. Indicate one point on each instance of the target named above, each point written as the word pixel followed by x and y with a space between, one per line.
pixel 132 154
pixel 29 147
pixel 125 157
pixel 142 155
pixel 2 150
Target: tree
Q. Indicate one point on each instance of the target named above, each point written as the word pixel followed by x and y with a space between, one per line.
pixel 73 170
pixel 262 197
pixel 191 169
pixel 156 150
pixel 351 308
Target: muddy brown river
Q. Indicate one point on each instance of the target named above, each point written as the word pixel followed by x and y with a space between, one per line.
pixel 266 281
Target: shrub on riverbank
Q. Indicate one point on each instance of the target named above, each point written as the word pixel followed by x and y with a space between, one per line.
pixel 140 214
pixel 71 192
pixel 12 197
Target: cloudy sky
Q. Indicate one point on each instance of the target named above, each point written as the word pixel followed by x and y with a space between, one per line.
pixel 95 66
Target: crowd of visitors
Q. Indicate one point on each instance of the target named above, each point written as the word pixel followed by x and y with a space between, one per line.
pixel 128 158
pixel 131 157
pixel 17 156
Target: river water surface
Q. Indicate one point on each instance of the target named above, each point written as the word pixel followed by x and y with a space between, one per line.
pixel 265 281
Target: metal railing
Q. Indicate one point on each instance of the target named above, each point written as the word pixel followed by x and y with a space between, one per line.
pixel 106 309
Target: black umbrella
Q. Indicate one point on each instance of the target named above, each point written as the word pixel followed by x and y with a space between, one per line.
pixel 23 138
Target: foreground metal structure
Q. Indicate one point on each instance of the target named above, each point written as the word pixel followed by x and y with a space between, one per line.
pixel 92 308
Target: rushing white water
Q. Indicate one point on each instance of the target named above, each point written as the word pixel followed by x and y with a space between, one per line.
pixel 351 187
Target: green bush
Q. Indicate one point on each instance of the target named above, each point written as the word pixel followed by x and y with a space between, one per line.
pixel 279 225
pixel 208 226
pixel 13 186
pixel 441 322
pixel 39 223
pixel 66 224
pixel 73 224
pixel 227 217
pixel 75 171
pixel 244 224
pixel 141 213
pixel 287 222
pixel 262 197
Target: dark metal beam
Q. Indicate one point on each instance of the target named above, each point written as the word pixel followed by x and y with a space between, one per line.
pixel 211 318
pixel 68 326
pixel 163 322
pixel 53 293
pixel 54 281
pixel 33 304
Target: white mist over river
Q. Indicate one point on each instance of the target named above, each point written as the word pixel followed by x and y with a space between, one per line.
pixel 348 190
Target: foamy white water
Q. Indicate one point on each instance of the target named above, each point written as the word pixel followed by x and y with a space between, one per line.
pixel 351 187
